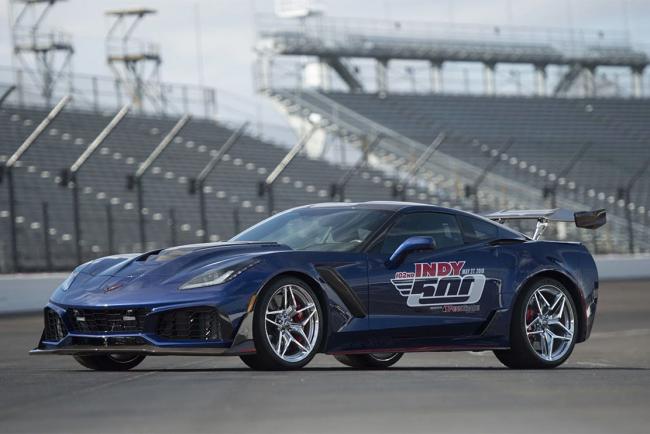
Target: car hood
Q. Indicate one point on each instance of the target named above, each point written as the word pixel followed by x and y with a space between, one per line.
pixel 149 276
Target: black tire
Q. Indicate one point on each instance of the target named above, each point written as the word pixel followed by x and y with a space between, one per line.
pixel 253 362
pixel 521 354
pixel 110 362
pixel 265 357
pixel 369 361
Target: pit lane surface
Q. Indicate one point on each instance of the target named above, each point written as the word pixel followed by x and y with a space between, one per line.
pixel 604 388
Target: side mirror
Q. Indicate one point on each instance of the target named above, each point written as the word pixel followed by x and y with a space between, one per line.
pixel 410 245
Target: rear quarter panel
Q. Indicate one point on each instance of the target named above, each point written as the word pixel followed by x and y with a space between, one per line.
pixel 571 263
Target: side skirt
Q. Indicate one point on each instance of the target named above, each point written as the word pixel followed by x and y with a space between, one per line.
pixel 429 349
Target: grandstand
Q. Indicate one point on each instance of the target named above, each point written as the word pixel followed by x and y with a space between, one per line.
pixel 548 133
pixel 559 142
pixel 109 215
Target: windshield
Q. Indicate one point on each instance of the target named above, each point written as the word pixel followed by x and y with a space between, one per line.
pixel 323 229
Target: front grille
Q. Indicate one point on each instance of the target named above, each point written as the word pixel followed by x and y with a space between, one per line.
pixel 107 320
pixel 200 323
pixel 54 328
pixel 114 341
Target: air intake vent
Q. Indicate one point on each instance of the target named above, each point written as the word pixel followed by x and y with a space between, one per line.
pixel 201 323
pixel 54 328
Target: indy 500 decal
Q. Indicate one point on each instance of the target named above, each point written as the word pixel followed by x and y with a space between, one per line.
pixel 439 284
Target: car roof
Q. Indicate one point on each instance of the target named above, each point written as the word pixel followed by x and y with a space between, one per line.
pixel 407 207
pixel 381 205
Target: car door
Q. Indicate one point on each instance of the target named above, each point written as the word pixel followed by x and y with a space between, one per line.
pixel 431 295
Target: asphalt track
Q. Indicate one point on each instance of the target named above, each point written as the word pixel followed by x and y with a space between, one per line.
pixel 604 388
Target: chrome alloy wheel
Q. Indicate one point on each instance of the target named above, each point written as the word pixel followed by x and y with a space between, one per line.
pixel 549 323
pixel 291 323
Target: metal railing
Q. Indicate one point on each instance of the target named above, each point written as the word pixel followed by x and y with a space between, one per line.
pixel 101 93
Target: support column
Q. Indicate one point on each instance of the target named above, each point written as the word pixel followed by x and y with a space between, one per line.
pixel 265 65
pixel 637 82
pixel 436 76
pixel 489 83
pixel 540 80
pixel 589 74
pixel 382 75
pixel 323 71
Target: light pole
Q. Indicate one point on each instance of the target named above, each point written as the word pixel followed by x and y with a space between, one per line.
pixel 10 164
pixel 197 184
pixel 70 175
pixel 135 180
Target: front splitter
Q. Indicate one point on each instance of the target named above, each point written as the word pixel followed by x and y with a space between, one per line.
pixel 149 350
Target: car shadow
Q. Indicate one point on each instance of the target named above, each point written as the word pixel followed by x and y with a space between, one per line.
pixel 391 369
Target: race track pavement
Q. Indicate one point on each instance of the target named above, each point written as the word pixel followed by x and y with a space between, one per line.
pixel 604 388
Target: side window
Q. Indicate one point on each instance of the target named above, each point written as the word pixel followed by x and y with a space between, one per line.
pixel 475 230
pixel 443 228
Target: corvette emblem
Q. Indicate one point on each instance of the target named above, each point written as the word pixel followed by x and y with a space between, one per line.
pixel 439 284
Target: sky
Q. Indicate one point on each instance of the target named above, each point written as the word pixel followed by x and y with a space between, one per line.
pixel 227 29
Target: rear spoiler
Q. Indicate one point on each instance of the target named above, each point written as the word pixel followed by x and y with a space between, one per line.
pixel 582 219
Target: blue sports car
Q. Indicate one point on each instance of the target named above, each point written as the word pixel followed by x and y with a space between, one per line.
pixel 365 282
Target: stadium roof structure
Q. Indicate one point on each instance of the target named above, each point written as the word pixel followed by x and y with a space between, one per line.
pixel 131 11
pixel 387 47
pixel 47 54
pixel 332 40
pixel 35 1
pixel 134 63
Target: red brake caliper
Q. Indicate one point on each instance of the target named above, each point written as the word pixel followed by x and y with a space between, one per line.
pixel 530 314
pixel 299 315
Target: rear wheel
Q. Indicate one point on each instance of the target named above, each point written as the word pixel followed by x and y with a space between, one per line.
pixel 110 362
pixel 369 361
pixel 544 327
pixel 287 327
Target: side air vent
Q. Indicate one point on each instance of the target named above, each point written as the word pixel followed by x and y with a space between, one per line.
pixel 343 290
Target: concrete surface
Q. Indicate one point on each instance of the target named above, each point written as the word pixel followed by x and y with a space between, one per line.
pixel 27 292
pixel 603 388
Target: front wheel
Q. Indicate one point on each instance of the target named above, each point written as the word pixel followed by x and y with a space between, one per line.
pixel 110 362
pixel 287 327
pixel 544 327
pixel 369 361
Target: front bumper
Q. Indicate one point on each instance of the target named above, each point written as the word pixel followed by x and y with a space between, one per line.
pixel 68 339
pixel 149 350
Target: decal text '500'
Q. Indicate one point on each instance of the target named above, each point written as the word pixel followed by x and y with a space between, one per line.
pixel 438 284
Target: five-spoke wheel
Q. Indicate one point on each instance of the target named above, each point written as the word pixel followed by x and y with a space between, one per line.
pixel 287 326
pixel 543 329
pixel 549 323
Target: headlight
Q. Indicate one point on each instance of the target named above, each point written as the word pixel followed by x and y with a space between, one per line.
pixel 68 281
pixel 218 275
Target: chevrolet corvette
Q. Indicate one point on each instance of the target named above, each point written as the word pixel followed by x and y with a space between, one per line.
pixel 365 282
